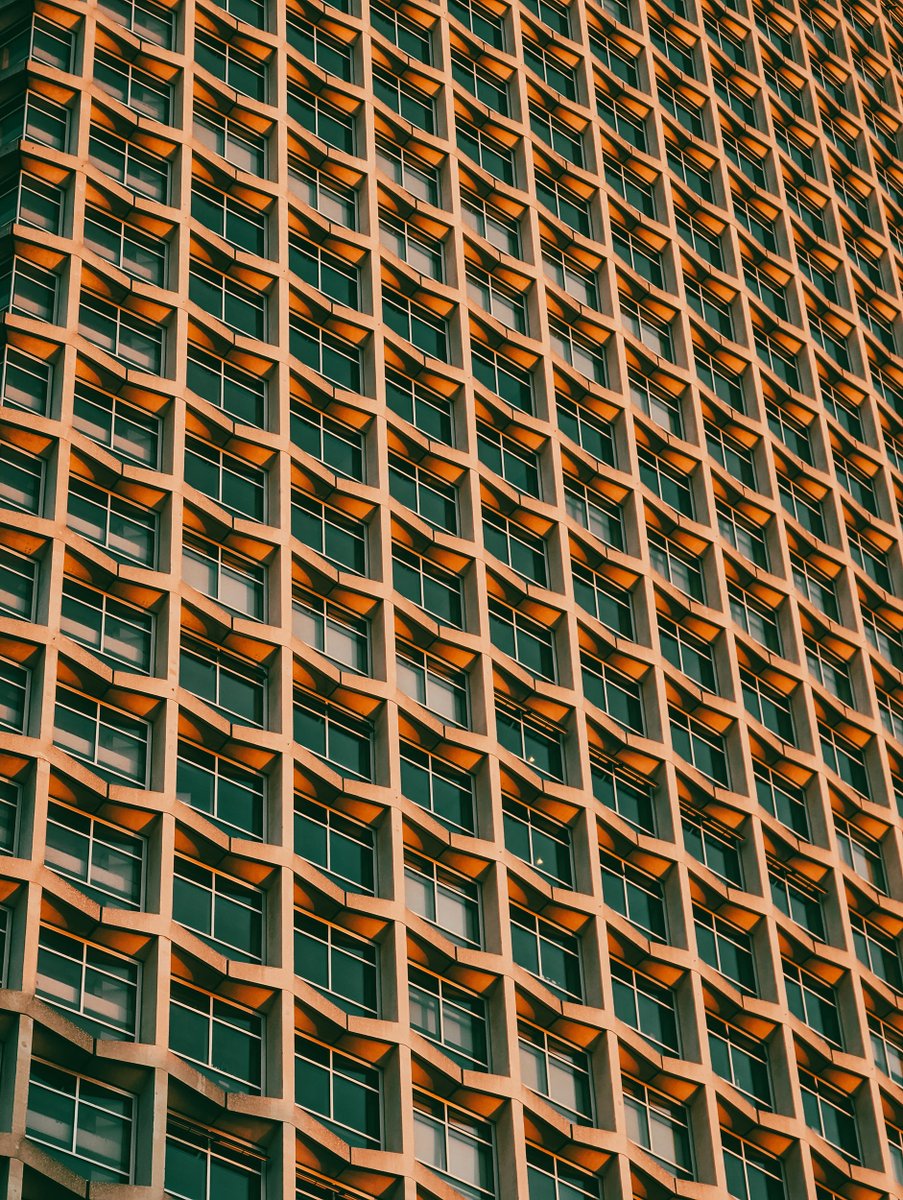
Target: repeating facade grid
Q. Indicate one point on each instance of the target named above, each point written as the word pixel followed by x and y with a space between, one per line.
pixel 451 710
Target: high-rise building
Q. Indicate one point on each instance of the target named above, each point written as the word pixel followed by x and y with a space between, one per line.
pixel 451 461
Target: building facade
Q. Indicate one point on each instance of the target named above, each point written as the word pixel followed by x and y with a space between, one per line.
pixel 450 647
